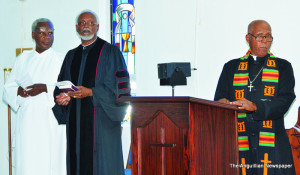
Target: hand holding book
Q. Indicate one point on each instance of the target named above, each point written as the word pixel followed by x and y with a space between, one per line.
pixel 66 86
pixel 71 90
pixel 82 92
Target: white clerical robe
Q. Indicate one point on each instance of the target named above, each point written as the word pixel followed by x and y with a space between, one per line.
pixel 40 143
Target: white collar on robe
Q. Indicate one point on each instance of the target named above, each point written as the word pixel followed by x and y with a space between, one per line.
pixel 45 53
pixel 254 57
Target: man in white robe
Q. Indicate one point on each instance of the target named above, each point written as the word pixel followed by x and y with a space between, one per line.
pixel 40 143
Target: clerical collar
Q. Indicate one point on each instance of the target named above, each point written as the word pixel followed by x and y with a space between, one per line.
pixel 254 57
pixel 249 52
pixel 84 47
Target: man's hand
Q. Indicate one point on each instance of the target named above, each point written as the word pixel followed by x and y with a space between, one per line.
pixel 36 89
pixel 22 92
pixel 224 100
pixel 63 99
pixel 81 93
pixel 245 104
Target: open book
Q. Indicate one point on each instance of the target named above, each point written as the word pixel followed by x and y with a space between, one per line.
pixel 66 86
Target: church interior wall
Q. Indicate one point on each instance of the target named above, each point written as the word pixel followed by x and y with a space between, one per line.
pixel 206 33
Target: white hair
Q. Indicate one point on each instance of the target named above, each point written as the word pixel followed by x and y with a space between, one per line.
pixel 87 11
pixel 40 20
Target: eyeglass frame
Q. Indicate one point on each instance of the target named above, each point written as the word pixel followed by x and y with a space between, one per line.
pixel 89 23
pixel 263 37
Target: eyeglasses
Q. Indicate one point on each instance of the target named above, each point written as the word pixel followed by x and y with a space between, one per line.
pixel 259 38
pixel 89 23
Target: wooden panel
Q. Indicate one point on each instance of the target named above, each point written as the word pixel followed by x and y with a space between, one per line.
pixel 135 145
pixel 213 141
pixel 171 100
pixel 144 113
pixel 199 136
pixel 163 148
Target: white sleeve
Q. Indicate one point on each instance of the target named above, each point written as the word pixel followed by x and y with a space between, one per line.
pixel 50 89
pixel 10 89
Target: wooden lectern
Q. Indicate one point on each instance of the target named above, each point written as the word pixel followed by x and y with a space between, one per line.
pixel 183 136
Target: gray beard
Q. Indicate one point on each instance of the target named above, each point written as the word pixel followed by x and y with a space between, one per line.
pixel 86 38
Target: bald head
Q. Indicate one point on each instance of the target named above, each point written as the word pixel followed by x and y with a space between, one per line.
pixel 259 37
pixel 255 23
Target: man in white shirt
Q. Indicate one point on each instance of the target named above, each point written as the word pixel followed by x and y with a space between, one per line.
pixel 40 143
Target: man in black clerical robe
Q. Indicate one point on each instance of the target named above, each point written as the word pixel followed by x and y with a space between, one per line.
pixel 92 115
pixel 262 86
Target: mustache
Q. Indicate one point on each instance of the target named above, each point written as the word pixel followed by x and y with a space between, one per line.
pixel 86 30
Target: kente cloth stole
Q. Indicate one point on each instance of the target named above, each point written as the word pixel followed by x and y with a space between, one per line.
pixel 266 142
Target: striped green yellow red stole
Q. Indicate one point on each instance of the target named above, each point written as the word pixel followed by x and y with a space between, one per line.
pixel 266 133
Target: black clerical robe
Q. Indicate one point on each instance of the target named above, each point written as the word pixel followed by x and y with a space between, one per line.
pixel 94 123
pixel 273 109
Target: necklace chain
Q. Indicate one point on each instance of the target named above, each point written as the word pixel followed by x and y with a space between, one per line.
pixel 255 76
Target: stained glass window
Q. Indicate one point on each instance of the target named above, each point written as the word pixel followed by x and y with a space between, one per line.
pixel 123 30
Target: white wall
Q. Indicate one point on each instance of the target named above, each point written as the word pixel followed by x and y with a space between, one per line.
pixel 165 32
pixel 206 33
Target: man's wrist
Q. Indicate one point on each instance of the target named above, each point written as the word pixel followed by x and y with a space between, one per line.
pixel 90 92
pixel 19 91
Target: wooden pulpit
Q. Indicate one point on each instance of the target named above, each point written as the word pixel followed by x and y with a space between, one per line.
pixel 183 136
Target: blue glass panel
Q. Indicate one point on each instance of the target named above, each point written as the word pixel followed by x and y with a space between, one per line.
pixel 122 15
pixel 131 2
pixel 129 46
